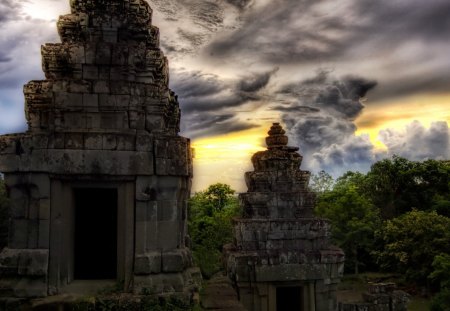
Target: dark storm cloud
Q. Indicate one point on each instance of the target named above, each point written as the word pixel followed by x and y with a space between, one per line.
pixel 339 97
pixel 418 143
pixel 210 124
pixel 195 84
pixel 295 109
pixel 210 106
pixel 358 22
pixel 436 81
pixel 277 38
pixel 407 20
pixel 320 117
pixel 241 4
pixel 256 82
pixel 198 92
pixel 405 41
pixel 201 92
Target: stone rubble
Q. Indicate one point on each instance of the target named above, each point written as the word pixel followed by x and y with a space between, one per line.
pixel 379 297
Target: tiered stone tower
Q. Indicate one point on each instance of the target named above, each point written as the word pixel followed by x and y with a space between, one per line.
pixel 282 258
pixel 99 182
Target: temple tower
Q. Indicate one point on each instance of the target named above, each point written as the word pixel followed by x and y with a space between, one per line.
pixel 282 258
pixel 99 183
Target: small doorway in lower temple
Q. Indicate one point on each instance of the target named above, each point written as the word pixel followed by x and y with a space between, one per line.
pixel 289 298
pixel 95 245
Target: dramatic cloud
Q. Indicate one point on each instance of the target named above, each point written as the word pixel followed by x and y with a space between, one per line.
pixel 241 4
pixel 211 106
pixel 236 64
pixel 187 26
pixel 403 44
pixel 418 143
pixel 323 124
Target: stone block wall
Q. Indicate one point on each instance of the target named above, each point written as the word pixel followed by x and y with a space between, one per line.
pixel 103 117
pixel 278 243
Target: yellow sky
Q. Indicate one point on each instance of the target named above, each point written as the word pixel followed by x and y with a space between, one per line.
pixel 225 158
pixel 397 113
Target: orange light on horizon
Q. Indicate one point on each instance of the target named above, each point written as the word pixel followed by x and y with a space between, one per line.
pixel 392 114
pixel 225 158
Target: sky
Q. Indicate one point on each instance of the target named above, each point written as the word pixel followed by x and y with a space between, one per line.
pixel 352 81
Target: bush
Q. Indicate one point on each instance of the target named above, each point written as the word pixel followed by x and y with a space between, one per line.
pixel 441 301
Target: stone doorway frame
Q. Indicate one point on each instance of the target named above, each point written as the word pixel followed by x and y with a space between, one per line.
pixel 308 301
pixel 62 225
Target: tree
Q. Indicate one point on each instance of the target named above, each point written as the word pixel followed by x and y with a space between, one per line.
pixel 397 186
pixel 321 183
pixel 4 215
pixel 220 195
pixel 441 270
pixel 210 227
pixel 215 198
pixel 353 218
pixel 411 243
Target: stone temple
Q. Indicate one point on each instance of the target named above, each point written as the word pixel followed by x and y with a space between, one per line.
pixel 282 258
pixel 99 182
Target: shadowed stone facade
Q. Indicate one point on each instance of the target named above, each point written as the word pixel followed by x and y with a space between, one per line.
pixel 103 124
pixel 282 258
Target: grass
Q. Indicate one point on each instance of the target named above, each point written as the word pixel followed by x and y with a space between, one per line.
pixel 419 304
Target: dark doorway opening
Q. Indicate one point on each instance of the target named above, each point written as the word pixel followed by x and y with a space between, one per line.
pixel 95 249
pixel 289 298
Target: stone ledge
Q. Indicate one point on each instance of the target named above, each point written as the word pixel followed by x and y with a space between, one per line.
pixel 24 262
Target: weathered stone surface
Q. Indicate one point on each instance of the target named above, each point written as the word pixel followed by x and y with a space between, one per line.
pixel 278 242
pixel 103 118
pixel 379 297
pixel 28 262
pixel 150 263
pixel 173 261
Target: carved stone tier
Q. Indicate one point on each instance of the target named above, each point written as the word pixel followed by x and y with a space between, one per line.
pixel 282 258
pixel 102 145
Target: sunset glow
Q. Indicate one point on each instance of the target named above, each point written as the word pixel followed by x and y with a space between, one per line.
pixel 396 114
pixel 223 158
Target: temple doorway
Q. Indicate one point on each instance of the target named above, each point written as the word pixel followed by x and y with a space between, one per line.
pixel 95 236
pixel 289 298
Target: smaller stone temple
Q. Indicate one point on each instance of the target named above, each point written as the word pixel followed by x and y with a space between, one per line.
pixel 282 258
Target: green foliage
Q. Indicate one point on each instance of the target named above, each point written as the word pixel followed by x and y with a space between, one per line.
pixel 4 215
pixel 441 270
pixel 441 204
pixel 353 218
pixel 210 214
pixel 321 183
pixel 397 186
pixel 411 243
pixel 206 203
pixel 441 301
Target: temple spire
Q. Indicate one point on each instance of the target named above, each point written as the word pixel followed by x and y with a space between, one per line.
pixel 276 138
